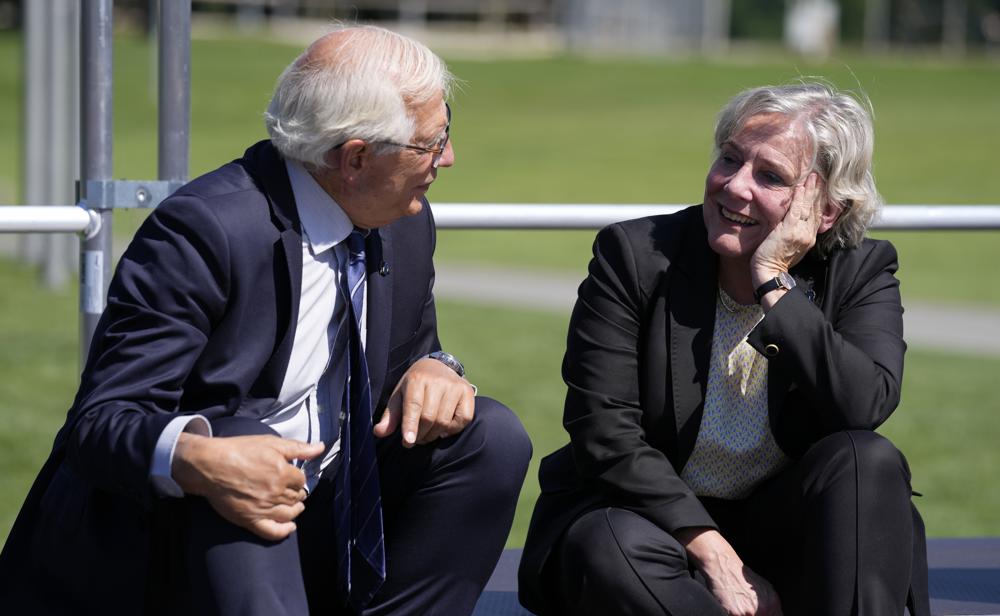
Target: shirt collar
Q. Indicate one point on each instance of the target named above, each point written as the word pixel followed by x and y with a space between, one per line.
pixel 324 223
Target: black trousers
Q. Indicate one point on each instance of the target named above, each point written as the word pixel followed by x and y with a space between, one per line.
pixel 834 533
pixel 448 508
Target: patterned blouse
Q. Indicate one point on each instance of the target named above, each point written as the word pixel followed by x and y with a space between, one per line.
pixel 735 450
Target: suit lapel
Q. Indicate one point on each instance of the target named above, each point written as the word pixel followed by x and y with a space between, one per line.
pixel 692 291
pixel 268 170
pixel 380 281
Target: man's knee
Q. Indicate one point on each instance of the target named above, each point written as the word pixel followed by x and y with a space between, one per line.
pixel 502 439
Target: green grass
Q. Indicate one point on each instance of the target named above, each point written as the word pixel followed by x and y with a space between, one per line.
pixel 38 361
pixel 572 130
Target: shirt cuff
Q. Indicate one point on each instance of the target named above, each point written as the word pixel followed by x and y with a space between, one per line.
pixel 163 454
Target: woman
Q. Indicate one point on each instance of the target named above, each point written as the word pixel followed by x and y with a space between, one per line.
pixel 726 368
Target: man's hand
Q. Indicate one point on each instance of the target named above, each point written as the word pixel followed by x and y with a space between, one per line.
pixel 248 480
pixel 430 402
pixel 740 591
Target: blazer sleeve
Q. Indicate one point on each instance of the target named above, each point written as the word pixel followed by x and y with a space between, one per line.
pixel 603 412
pixel 848 363
pixel 170 287
pixel 426 339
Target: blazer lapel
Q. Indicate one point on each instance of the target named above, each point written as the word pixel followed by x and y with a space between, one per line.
pixel 268 169
pixel 380 281
pixel 691 302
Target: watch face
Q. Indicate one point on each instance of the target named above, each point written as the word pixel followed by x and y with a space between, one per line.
pixel 786 280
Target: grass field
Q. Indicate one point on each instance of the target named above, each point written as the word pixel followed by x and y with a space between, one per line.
pixel 573 130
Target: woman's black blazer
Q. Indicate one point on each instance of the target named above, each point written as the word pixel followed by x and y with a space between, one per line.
pixel 636 367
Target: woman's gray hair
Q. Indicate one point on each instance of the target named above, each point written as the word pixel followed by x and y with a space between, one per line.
pixel 357 86
pixel 842 138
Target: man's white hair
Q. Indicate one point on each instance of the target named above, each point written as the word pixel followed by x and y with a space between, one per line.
pixel 358 85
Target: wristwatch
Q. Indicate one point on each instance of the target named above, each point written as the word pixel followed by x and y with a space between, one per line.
pixel 449 360
pixel 783 280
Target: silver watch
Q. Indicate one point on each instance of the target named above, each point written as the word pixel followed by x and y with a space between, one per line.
pixel 449 360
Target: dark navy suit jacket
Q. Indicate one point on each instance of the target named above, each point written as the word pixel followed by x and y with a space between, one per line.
pixel 200 319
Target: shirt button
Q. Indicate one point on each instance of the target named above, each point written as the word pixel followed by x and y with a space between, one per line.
pixel 771 350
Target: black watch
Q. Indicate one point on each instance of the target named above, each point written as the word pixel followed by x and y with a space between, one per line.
pixel 783 280
pixel 449 360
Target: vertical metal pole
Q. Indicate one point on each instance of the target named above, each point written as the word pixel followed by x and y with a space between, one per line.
pixel 877 25
pixel 95 158
pixel 174 99
pixel 35 121
pixel 61 157
pixel 953 26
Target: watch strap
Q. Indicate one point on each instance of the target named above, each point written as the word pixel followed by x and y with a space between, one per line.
pixel 781 281
pixel 449 360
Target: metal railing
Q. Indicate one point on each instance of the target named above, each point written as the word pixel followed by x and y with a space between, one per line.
pixel 79 219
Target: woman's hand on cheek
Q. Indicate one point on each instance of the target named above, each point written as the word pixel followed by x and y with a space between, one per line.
pixel 793 236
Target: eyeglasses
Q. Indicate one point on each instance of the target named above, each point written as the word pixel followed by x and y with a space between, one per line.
pixel 437 149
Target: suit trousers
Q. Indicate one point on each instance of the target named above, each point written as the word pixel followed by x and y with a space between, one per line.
pixel 834 533
pixel 447 507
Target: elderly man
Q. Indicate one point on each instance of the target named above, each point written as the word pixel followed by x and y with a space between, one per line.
pixel 221 456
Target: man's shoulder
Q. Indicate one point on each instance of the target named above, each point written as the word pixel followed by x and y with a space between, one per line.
pixel 235 193
pixel 234 180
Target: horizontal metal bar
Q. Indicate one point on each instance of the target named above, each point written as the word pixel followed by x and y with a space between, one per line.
pixel 115 194
pixel 939 217
pixel 597 215
pixel 51 218
pixel 48 219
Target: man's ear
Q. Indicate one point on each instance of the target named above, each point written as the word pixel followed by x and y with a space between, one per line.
pixel 350 159
pixel 830 214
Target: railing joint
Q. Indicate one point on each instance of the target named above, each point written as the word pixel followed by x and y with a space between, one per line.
pixel 125 194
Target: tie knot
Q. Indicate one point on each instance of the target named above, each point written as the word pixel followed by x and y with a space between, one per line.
pixel 356 244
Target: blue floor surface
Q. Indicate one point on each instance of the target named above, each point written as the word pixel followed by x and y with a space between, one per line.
pixel 964 579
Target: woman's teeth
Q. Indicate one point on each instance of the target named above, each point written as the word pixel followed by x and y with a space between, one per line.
pixel 737 218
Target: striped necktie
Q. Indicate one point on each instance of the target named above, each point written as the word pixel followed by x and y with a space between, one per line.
pixel 357 498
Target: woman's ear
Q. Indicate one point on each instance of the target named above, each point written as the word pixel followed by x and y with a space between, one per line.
pixel 830 214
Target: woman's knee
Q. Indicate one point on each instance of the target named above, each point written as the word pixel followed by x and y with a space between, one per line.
pixel 612 545
pixel 867 461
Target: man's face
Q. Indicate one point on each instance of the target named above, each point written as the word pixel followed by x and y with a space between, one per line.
pixel 393 184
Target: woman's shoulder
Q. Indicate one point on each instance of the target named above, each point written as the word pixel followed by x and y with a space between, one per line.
pixel 871 252
pixel 661 236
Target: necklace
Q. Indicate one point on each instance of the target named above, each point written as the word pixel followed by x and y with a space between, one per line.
pixel 730 304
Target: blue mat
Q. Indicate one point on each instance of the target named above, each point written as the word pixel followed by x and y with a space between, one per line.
pixel 964 579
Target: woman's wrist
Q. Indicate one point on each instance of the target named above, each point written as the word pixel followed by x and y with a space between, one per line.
pixel 708 549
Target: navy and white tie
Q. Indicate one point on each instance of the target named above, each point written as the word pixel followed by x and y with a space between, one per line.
pixel 357 499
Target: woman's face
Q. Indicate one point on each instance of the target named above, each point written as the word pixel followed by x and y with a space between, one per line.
pixel 749 186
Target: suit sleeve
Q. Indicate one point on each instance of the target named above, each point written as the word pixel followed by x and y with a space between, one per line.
pixel 170 287
pixel 603 412
pixel 849 366
pixel 426 339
